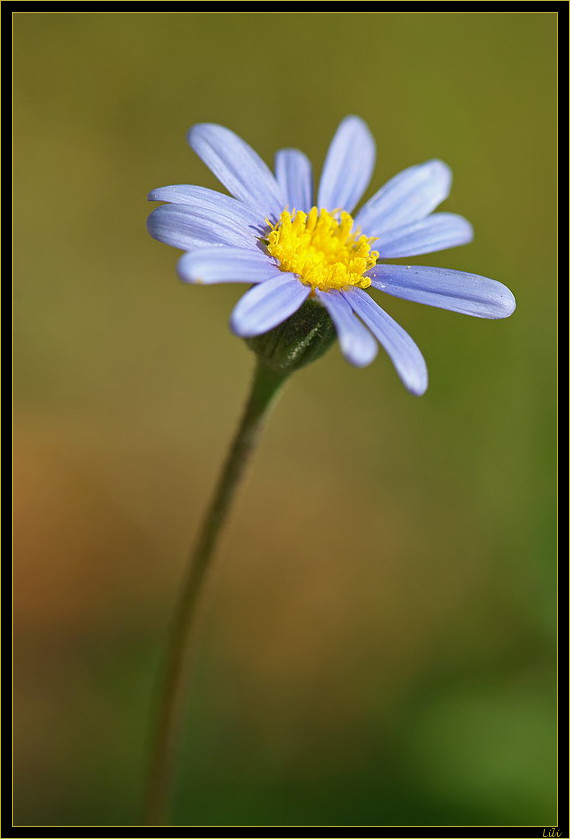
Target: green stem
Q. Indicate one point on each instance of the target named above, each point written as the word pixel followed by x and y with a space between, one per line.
pixel 266 384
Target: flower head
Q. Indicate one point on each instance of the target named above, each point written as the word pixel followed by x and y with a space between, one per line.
pixel 275 234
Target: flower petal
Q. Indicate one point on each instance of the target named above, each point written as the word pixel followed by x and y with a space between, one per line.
pixel 404 353
pixel 238 167
pixel 186 227
pixel 457 291
pixel 226 265
pixel 356 342
pixel 407 197
pixel 215 203
pixel 267 305
pixel 434 233
pixel 295 176
pixel 348 166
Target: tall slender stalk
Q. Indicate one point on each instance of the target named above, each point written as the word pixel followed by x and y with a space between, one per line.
pixel 161 780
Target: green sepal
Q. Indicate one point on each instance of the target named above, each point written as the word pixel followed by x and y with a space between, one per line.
pixel 302 338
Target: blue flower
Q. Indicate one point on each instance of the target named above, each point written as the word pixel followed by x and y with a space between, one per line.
pixel 274 234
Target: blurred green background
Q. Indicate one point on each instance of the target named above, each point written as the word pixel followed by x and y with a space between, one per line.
pixel 380 642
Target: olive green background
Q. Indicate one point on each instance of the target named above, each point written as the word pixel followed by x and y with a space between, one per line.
pixel 379 646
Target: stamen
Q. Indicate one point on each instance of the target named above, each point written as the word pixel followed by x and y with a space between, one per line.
pixel 322 249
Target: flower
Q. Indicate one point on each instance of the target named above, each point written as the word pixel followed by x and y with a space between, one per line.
pixel 274 234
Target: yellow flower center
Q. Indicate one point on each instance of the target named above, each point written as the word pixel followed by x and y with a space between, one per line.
pixel 322 249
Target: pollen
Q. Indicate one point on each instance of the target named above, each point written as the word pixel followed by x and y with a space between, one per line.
pixel 322 249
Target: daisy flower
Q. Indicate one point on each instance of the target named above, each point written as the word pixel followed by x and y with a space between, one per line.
pixel 276 234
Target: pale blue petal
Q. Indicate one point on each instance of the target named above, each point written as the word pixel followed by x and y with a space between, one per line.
pixel 434 233
pixel 348 166
pixel 409 196
pixel 405 355
pixel 186 227
pixel 226 265
pixel 295 176
pixel 457 291
pixel 267 305
pixel 212 202
pixel 356 342
pixel 238 167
